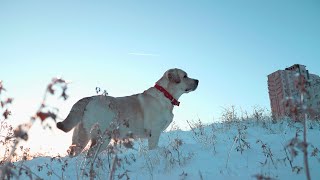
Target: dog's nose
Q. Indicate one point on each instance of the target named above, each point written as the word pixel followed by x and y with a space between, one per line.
pixel 197 82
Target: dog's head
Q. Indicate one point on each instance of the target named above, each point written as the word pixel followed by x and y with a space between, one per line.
pixel 177 82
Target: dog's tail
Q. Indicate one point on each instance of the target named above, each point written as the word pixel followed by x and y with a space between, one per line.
pixel 75 115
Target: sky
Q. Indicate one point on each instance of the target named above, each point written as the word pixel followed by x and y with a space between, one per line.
pixel 124 47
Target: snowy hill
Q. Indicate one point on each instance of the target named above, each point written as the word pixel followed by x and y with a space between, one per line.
pixel 233 150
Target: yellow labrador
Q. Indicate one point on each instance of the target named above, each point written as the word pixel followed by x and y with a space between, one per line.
pixel 143 115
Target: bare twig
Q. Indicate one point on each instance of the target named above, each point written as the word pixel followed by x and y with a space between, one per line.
pixel 234 142
pixel 305 149
pixel 303 90
pixel 113 167
pixel 287 156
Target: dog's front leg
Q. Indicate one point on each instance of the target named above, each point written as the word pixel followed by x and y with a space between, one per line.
pixel 153 140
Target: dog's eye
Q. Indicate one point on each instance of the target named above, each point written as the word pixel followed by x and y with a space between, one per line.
pixel 185 76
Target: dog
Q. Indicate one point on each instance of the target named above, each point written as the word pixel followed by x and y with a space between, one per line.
pixel 143 115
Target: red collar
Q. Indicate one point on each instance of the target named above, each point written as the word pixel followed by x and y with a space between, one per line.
pixel 167 95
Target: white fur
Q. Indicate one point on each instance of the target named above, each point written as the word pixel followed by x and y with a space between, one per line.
pixel 143 115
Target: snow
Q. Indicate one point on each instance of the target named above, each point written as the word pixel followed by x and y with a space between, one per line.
pixel 248 149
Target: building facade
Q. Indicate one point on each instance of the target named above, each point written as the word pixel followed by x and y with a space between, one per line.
pixel 285 89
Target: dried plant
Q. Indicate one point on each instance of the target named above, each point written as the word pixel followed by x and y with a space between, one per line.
pixel 229 114
pixel 174 154
pixel 299 112
pixel 21 132
pixel 262 177
pixel 117 161
pixel 183 176
pixel 240 140
pixel 208 139
pixel 267 153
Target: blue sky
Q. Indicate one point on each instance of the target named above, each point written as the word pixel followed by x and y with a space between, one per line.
pixel 126 46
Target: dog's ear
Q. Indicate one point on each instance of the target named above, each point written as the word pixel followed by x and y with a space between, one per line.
pixel 173 76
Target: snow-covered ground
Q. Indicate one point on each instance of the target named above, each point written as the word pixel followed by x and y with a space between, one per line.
pixel 236 150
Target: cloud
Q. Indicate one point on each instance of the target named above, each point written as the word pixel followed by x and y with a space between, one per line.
pixel 143 54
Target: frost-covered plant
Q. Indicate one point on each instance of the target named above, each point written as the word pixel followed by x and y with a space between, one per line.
pixel 174 154
pixel 241 139
pixel 205 138
pixel 258 113
pixel 266 150
pixel 116 161
pixel 294 146
pixel 315 153
pixel 229 114
pixel 240 142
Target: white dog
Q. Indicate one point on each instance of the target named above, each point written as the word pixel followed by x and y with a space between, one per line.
pixel 143 115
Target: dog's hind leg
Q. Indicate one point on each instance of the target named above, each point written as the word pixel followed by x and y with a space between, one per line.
pixel 153 140
pixel 80 139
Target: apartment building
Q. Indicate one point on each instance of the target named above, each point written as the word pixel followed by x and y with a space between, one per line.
pixel 285 95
